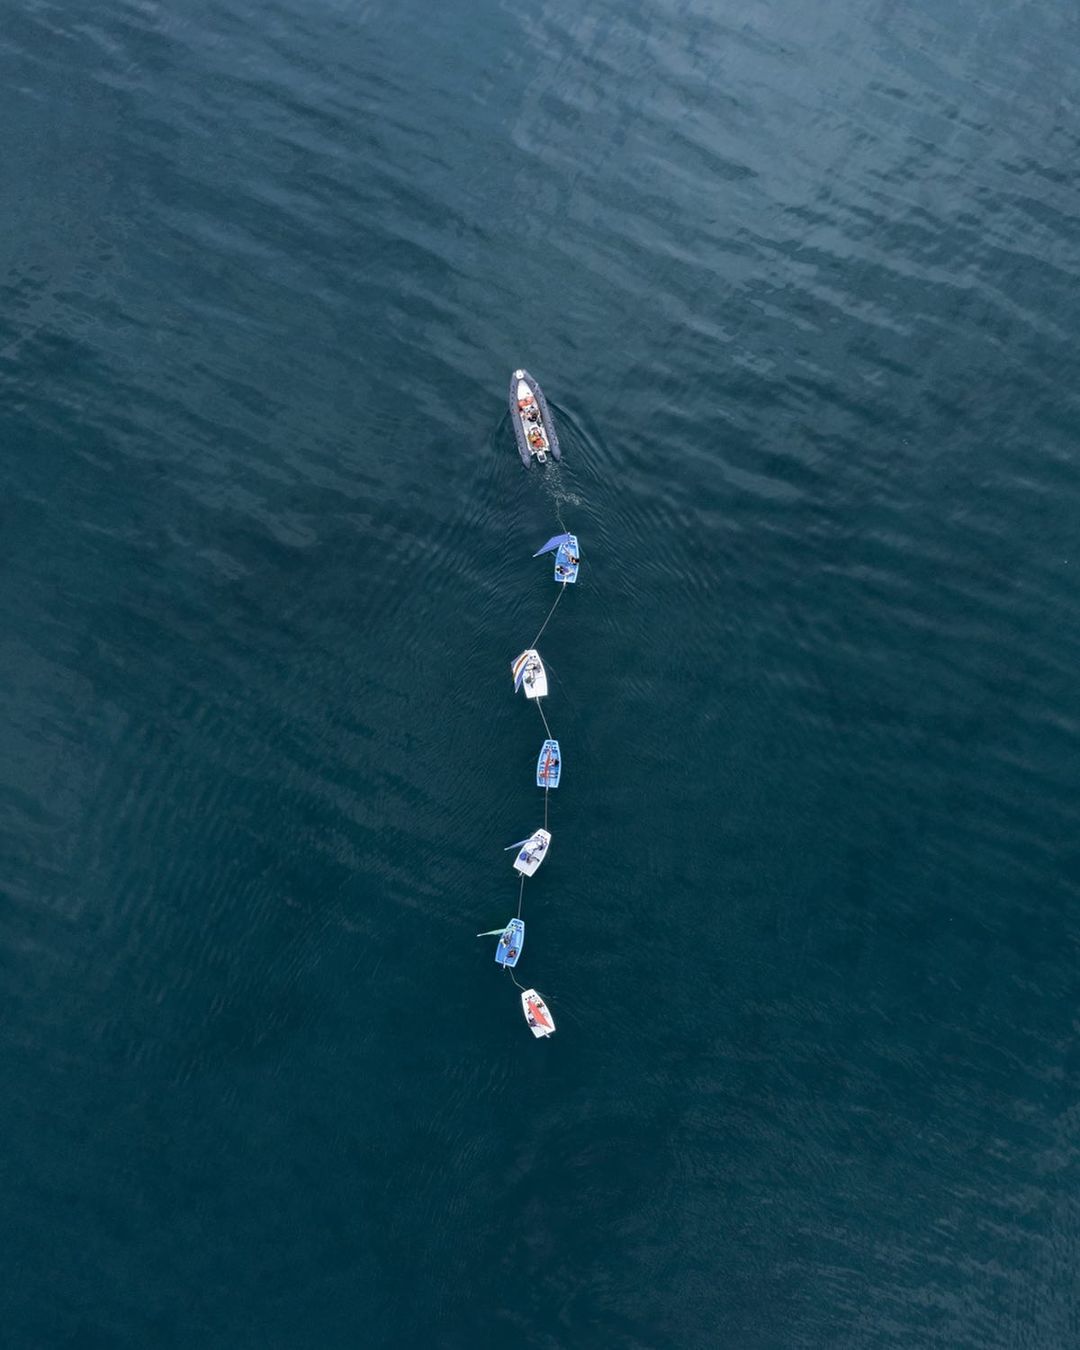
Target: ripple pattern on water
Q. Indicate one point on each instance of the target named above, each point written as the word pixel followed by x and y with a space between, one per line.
pixel 799 283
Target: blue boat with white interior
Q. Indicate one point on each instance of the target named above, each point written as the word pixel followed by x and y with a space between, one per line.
pixel 508 948
pixel 511 940
pixel 567 559
pixel 549 765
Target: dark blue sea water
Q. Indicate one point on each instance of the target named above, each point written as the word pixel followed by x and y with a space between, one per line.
pixel 802 284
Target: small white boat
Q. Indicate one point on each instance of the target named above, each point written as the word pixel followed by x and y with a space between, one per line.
pixel 529 673
pixel 537 1013
pixel 531 852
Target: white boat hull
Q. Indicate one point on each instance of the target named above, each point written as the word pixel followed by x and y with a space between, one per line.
pixel 532 852
pixel 531 423
pixel 534 679
pixel 537 1014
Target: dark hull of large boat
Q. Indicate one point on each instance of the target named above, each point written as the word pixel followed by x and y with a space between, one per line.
pixel 547 421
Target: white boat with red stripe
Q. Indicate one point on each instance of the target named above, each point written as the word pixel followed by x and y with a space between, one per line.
pixel 537 1013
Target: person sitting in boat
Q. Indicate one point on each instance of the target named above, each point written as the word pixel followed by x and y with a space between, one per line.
pixel 536 438
pixel 511 953
pixel 560 570
pixel 572 560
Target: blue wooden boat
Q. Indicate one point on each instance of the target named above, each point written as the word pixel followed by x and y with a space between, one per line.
pixel 567 561
pixel 549 765
pixel 511 940
pixel 509 946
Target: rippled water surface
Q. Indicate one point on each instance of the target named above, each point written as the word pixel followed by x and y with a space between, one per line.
pixel 801 282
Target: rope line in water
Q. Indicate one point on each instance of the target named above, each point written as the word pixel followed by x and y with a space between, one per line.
pixel 543 719
pixel 557 501
pixel 550 612
pixel 521 892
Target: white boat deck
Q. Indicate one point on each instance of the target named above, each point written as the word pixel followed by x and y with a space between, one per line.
pixel 532 423
pixel 532 852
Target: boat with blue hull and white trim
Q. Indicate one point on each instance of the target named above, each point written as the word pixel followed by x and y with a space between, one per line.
pixel 567 559
pixel 549 765
pixel 510 944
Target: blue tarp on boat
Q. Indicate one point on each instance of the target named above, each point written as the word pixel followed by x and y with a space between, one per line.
pixel 553 543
